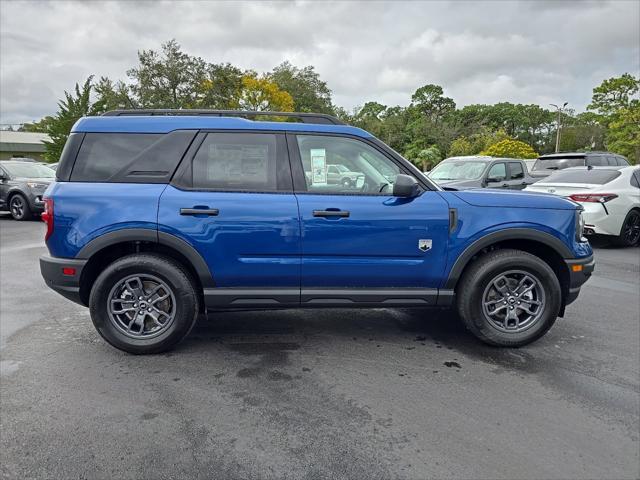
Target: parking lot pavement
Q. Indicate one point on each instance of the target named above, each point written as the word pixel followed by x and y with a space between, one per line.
pixel 322 393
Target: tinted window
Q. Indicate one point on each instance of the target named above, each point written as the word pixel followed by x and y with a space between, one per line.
pixel 364 169
pixel 497 170
pixel 621 161
pixel 238 161
pixel 594 177
pixel 635 179
pixel 516 170
pixel 558 163
pixel 102 155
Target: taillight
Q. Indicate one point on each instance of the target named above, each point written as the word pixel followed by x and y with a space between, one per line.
pixel 593 197
pixel 47 217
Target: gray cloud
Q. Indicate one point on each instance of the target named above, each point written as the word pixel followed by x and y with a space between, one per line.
pixel 480 52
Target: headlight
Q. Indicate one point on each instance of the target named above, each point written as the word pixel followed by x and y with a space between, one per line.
pixel 36 185
pixel 580 226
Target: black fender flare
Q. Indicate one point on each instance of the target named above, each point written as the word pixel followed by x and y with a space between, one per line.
pixel 507 234
pixel 152 236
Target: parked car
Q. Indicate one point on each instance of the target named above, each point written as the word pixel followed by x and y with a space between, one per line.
pixel 610 197
pixel 154 218
pixel 547 164
pixel 53 166
pixel 22 185
pixel 481 172
pixel 341 175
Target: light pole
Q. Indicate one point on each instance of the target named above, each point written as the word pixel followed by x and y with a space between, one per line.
pixel 559 109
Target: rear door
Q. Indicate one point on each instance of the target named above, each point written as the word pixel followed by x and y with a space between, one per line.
pixel 517 179
pixel 359 236
pixel 232 200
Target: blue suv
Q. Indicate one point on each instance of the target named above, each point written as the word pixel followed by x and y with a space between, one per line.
pixel 158 215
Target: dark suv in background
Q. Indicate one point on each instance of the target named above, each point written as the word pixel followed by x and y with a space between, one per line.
pixel 481 172
pixel 551 162
pixel 22 185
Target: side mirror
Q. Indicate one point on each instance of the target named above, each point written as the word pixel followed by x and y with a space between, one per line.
pixel 495 179
pixel 405 186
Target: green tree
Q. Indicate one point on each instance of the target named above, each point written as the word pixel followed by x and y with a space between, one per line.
pixel 221 88
pixel 461 146
pixel 623 136
pixel 614 94
pixel 167 79
pixel 431 102
pixel 510 149
pixel 261 94
pixel 428 158
pixel 74 106
pixel 309 92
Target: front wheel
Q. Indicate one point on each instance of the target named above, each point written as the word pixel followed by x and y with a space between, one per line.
pixel 144 303
pixel 509 298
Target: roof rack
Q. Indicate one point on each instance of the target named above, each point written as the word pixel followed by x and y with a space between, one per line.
pixel 303 117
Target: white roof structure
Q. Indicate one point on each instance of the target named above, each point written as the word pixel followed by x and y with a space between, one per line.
pixel 22 141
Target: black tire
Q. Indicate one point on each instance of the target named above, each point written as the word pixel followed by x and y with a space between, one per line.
pixel 19 207
pixel 630 231
pixel 183 303
pixel 477 282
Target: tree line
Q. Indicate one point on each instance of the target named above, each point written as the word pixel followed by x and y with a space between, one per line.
pixel 430 127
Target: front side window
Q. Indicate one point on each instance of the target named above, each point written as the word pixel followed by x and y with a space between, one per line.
pixel 517 171
pixel 237 161
pixel 345 166
pixel 497 172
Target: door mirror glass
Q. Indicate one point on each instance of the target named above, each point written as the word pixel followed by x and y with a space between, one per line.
pixel 405 186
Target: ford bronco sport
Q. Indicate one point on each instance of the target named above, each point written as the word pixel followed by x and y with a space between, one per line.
pixel 157 216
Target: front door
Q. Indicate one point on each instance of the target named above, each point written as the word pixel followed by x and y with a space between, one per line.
pixel 233 202
pixel 358 235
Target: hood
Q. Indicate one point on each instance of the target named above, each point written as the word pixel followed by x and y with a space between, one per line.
pixel 459 184
pixel 514 199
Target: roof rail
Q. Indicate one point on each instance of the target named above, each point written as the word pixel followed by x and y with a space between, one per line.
pixel 303 117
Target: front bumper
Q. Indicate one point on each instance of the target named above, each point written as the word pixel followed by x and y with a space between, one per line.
pixel 580 269
pixel 63 275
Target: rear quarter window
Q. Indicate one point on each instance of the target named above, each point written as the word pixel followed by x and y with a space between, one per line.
pixel 558 163
pixel 130 157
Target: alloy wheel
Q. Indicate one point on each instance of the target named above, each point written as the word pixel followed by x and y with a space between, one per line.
pixel 513 301
pixel 631 229
pixel 141 306
pixel 17 207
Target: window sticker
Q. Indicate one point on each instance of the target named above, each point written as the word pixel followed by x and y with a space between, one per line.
pixel 318 166
pixel 233 163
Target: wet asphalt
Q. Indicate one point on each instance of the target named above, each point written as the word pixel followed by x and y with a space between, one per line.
pixel 318 394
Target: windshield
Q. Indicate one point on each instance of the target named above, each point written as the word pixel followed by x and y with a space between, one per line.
pixel 558 163
pixel 593 177
pixel 458 170
pixel 29 170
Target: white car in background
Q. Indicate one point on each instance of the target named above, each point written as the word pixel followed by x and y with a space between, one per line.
pixel 610 197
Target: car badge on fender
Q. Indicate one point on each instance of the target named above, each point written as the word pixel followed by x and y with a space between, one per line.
pixel 424 244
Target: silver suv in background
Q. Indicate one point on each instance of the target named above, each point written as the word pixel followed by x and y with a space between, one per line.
pixel 22 185
pixel 547 164
pixel 481 172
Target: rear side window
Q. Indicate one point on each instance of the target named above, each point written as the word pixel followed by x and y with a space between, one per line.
pixel 593 177
pixel 516 169
pixel 597 161
pixel 102 155
pixel 635 179
pixel 254 162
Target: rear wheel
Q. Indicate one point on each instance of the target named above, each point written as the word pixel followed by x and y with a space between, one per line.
pixel 144 303
pixel 19 207
pixel 509 298
pixel 630 232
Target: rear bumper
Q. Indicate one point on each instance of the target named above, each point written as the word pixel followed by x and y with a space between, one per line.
pixel 66 284
pixel 580 270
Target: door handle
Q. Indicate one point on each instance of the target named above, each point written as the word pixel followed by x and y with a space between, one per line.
pixel 211 212
pixel 505 185
pixel 331 213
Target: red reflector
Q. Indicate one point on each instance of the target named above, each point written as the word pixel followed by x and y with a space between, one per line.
pixel 47 217
pixel 68 271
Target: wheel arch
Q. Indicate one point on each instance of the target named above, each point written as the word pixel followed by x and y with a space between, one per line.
pixel 548 248
pixel 108 247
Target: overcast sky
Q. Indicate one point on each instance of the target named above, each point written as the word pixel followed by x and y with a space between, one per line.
pixel 480 52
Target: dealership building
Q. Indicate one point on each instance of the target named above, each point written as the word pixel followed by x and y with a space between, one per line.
pixel 22 145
